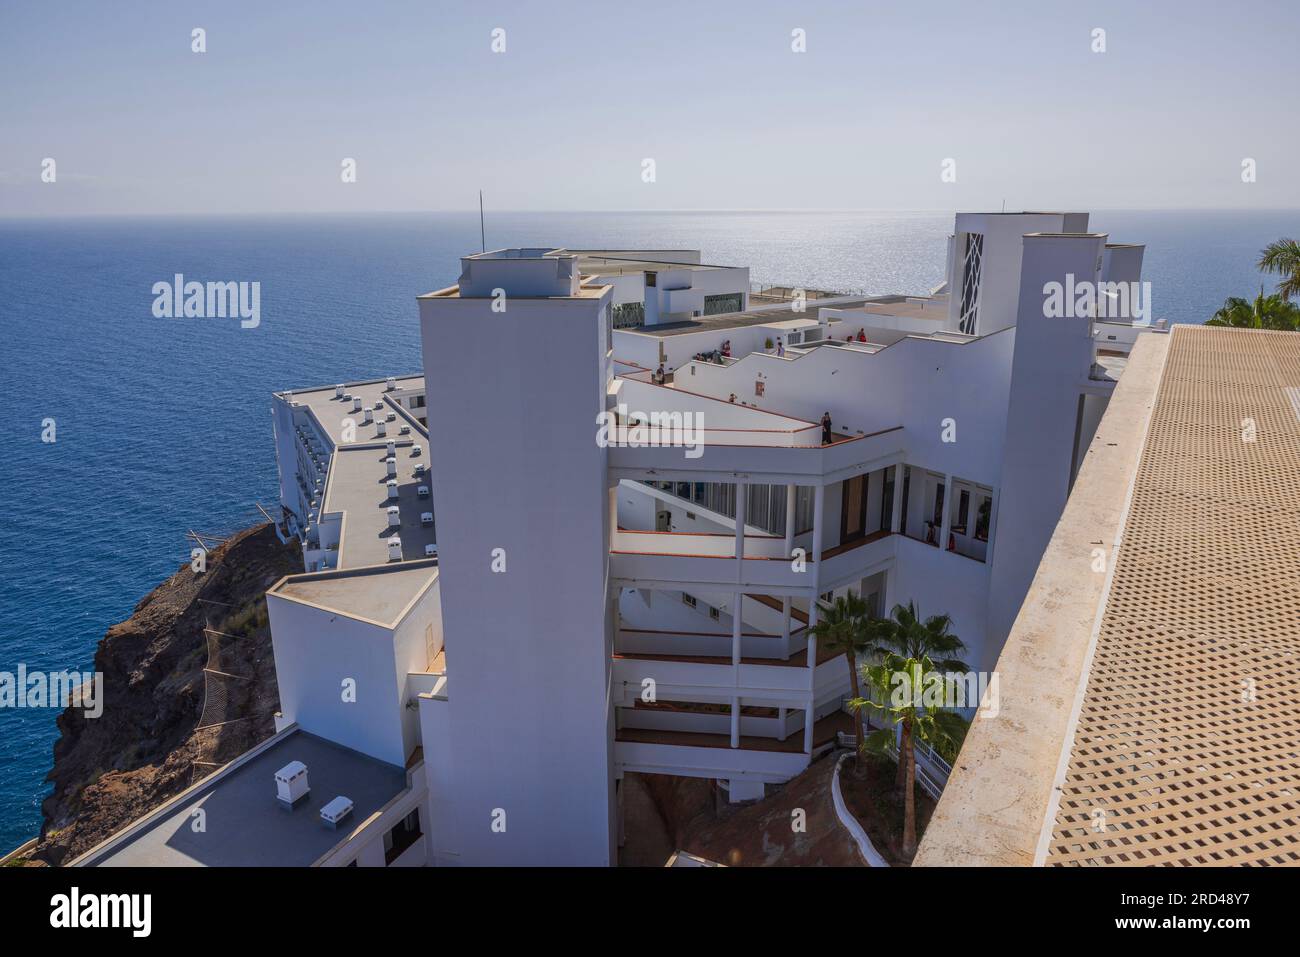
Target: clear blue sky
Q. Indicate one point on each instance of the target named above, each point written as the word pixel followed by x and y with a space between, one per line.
pixel 711 91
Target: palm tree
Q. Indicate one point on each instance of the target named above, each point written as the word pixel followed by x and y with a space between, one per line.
pixel 1283 258
pixel 911 637
pixel 1266 312
pixel 908 637
pixel 899 684
pixel 841 628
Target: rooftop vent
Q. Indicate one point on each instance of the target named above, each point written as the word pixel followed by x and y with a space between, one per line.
pixel 391 416
pixel 392 447
pixel 381 428
pixel 419 469
pixel 291 784
pixel 415 451
pixel 356 403
pixel 395 548
pixel 430 551
pixel 392 488
pixel 426 518
pixel 392 384
pixel 369 417
pixel 405 430
pixel 392 465
pixel 335 811
pixel 422 491
pixel 338 391
pixel 394 516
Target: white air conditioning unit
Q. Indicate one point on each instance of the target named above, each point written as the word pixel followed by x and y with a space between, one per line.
pixel 381 429
pixel 338 391
pixel 356 404
pixel 395 548
pixel 291 783
pixel 391 416
pixel 394 516
pixel 392 383
pixel 369 417
pixel 426 518
pixel 430 551
pixel 392 488
pixel 405 430
pixel 416 451
pixel 392 448
pixel 419 470
pixel 392 465
pixel 422 491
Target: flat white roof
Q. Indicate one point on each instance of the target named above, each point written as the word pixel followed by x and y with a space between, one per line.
pixel 331 412
pixel 378 594
pixel 358 487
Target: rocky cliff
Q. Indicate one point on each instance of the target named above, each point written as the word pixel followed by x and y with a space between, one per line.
pixel 155 736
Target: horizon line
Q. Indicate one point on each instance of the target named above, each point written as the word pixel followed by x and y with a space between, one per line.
pixel 811 210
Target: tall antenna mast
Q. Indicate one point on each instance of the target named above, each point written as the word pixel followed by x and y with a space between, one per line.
pixel 482 235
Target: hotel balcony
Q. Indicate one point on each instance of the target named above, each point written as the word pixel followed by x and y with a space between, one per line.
pixel 673 559
pixel 796 455
pixel 756 758
pixel 689 676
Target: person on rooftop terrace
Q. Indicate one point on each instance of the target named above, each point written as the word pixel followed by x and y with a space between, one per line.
pixel 826 429
pixel 659 375
pixel 861 336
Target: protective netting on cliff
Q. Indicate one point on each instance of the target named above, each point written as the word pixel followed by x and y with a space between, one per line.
pixel 220 687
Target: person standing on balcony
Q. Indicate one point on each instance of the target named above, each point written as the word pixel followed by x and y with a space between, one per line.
pixel 659 375
pixel 826 429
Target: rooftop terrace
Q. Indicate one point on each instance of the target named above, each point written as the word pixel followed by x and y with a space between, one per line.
pixel 358 487
pixel 330 412
pixel 737 320
pixel 246 826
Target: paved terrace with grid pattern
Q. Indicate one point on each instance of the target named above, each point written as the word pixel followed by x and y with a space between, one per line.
pixel 1151 715
pixel 1187 747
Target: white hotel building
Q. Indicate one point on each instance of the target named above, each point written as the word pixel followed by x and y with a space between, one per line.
pixel 501 615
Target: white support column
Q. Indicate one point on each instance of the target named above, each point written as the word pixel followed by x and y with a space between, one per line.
pixel 819 531
pixel 735 722
pixel 741 495
pixel 808 726
pixel 945 522
pixel 791 491
pixel 736 623
pixel 812 639
pixel 896 519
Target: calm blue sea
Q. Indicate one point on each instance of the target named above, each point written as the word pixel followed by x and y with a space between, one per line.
pixel 163 425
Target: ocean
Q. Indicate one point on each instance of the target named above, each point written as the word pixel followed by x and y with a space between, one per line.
pixel 163 425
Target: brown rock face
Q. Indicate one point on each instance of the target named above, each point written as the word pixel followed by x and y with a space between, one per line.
pixel 143 749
